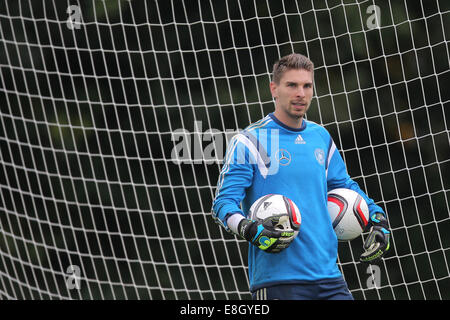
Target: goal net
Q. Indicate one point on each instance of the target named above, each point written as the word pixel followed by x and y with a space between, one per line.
pixel 114 119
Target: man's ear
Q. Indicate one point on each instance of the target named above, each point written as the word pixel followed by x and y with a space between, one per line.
pixel 273 89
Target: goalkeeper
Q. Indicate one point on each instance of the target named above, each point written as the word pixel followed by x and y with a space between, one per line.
pixel 286 154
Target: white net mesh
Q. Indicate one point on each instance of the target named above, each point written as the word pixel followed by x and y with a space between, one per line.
pixel 114 120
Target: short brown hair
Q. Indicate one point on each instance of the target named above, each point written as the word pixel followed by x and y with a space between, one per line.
pixel 291 61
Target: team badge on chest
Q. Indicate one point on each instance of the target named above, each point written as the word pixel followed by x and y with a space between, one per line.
pixel 320 156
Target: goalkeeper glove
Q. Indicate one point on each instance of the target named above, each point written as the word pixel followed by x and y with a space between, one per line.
pixel 377 243
pixel 264 235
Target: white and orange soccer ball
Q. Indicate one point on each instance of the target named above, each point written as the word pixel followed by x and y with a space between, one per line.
pixel 349 213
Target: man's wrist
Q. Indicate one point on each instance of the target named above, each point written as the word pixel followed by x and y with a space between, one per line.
pixel 233 222
pixel 376 219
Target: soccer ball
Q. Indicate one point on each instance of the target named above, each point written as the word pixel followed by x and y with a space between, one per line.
pixel 277 205
pixel 349 213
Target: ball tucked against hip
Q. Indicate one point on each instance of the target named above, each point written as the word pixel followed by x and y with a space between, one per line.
pixel 349 213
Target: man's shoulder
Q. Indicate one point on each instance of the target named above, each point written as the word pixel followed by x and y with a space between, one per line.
pixel 250 133
pixel 315 126
pixel 261 123
pixel 318 129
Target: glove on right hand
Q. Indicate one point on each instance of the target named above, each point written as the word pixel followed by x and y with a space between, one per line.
pixel 264 235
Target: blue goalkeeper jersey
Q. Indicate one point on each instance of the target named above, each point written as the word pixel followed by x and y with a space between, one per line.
pixel 302 164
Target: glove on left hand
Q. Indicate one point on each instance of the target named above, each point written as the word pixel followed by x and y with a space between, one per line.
pixel 377 243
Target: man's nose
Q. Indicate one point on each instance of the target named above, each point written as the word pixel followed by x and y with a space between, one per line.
pixel 300 92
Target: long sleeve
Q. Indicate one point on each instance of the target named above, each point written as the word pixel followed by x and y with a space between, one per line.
pixel 235 177
pixel 337 177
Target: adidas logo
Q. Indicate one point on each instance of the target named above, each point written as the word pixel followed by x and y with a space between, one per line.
pixel 299 140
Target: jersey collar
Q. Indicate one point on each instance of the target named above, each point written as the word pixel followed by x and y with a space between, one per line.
pixel 303 127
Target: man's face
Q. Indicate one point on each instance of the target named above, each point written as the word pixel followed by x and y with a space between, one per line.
pixel 294 93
